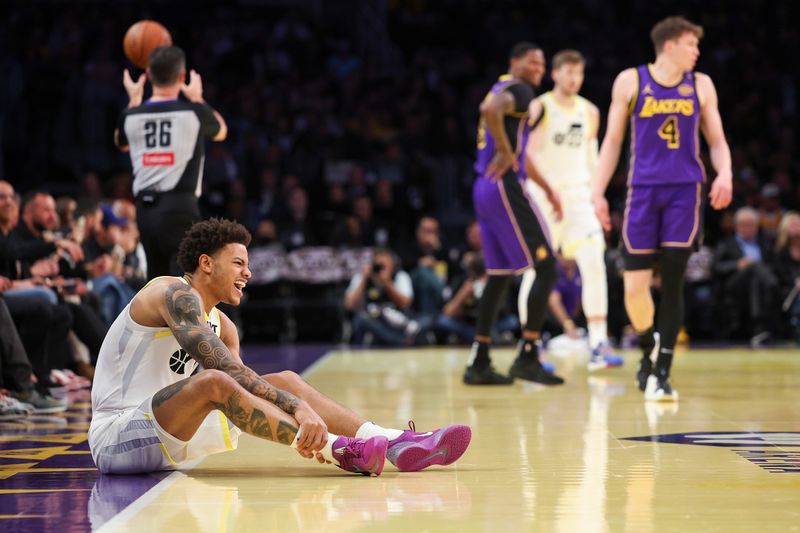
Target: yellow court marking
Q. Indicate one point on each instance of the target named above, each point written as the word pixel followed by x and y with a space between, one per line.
pixel 68 438
pixel 40 454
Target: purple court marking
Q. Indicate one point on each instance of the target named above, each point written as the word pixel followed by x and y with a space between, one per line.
pixel 78 498
pixel 728 439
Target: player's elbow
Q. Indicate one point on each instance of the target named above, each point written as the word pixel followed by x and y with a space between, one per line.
pixel 221 135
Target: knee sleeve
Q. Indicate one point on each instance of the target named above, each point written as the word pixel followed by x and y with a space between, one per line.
pixel 592 266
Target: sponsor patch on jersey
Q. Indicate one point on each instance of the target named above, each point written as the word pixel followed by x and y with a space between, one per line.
pixel 685 90
pixel 158 159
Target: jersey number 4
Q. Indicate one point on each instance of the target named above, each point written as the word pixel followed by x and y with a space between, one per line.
pixel 669 132
pixel 157 133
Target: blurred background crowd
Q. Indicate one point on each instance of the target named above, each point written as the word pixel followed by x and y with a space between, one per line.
pixel 352 125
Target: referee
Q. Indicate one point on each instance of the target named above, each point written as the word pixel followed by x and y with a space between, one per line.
pixel 166 139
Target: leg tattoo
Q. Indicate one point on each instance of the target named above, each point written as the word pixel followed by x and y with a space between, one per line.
pixel 255 422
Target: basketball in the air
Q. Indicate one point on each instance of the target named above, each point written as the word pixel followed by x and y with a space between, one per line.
pixel 142 38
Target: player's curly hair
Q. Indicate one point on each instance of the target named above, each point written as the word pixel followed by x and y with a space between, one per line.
pixel 206 237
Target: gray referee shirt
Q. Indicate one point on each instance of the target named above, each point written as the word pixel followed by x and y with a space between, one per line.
pixel 166 140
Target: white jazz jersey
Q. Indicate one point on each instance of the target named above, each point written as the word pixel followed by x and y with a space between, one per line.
pixel 563 159
pixel 134 363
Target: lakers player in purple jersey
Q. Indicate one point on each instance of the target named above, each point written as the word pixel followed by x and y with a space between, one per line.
pixel 512 236
pixel 667 104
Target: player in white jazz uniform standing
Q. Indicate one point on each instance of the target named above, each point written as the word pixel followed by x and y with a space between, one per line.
pixel 562 149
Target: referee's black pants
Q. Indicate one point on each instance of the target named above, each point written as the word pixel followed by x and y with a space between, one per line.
pixel 163 218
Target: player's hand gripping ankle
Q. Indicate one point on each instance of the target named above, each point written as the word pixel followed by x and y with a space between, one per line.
pixel 313 431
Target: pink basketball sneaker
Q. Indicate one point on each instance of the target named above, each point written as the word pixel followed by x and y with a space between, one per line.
pixel 413 451
pixel 362 456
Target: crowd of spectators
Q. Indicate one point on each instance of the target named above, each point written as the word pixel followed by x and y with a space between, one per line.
pixel 67 269
pixel 353 125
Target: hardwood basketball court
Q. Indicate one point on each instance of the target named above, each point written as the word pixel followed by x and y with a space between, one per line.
pixel 587 456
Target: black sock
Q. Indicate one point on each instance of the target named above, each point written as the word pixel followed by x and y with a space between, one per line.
pixel 647 341
pixel 670 308
pixel 481 359
pixel 528 351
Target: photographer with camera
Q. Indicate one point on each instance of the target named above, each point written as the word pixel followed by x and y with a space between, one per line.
pixel 380 297
pixel 459 315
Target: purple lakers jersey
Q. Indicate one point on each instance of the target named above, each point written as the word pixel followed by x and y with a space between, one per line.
pixel 514 122
pixel 665 123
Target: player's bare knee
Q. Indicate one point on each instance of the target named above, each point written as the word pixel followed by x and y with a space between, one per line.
pixel 634 290
pixel 216 384
pixel 291 380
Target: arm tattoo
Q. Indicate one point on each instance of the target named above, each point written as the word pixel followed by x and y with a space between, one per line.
pixel 286 432
pixel 185 319
pixel 255 422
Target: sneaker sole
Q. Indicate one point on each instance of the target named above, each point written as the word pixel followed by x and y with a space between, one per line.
pixel 488 383
pixel 449 446
pixel 602 365
pixel 13 416
pixel 519 375
pixel 662 398
pixel 49 410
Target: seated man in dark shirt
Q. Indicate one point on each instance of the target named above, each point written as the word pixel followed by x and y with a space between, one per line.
pixel 742 266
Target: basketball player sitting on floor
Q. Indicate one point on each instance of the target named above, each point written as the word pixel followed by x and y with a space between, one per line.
pixel 151 411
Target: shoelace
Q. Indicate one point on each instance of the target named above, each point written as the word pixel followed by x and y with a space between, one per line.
pixel 412 426
pixel 354 448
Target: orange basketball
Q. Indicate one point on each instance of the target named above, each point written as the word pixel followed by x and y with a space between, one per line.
pixel 142 38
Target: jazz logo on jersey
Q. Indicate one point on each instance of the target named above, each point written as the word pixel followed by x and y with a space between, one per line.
pixel 572 137
pixel 666 106
pixel 178 360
